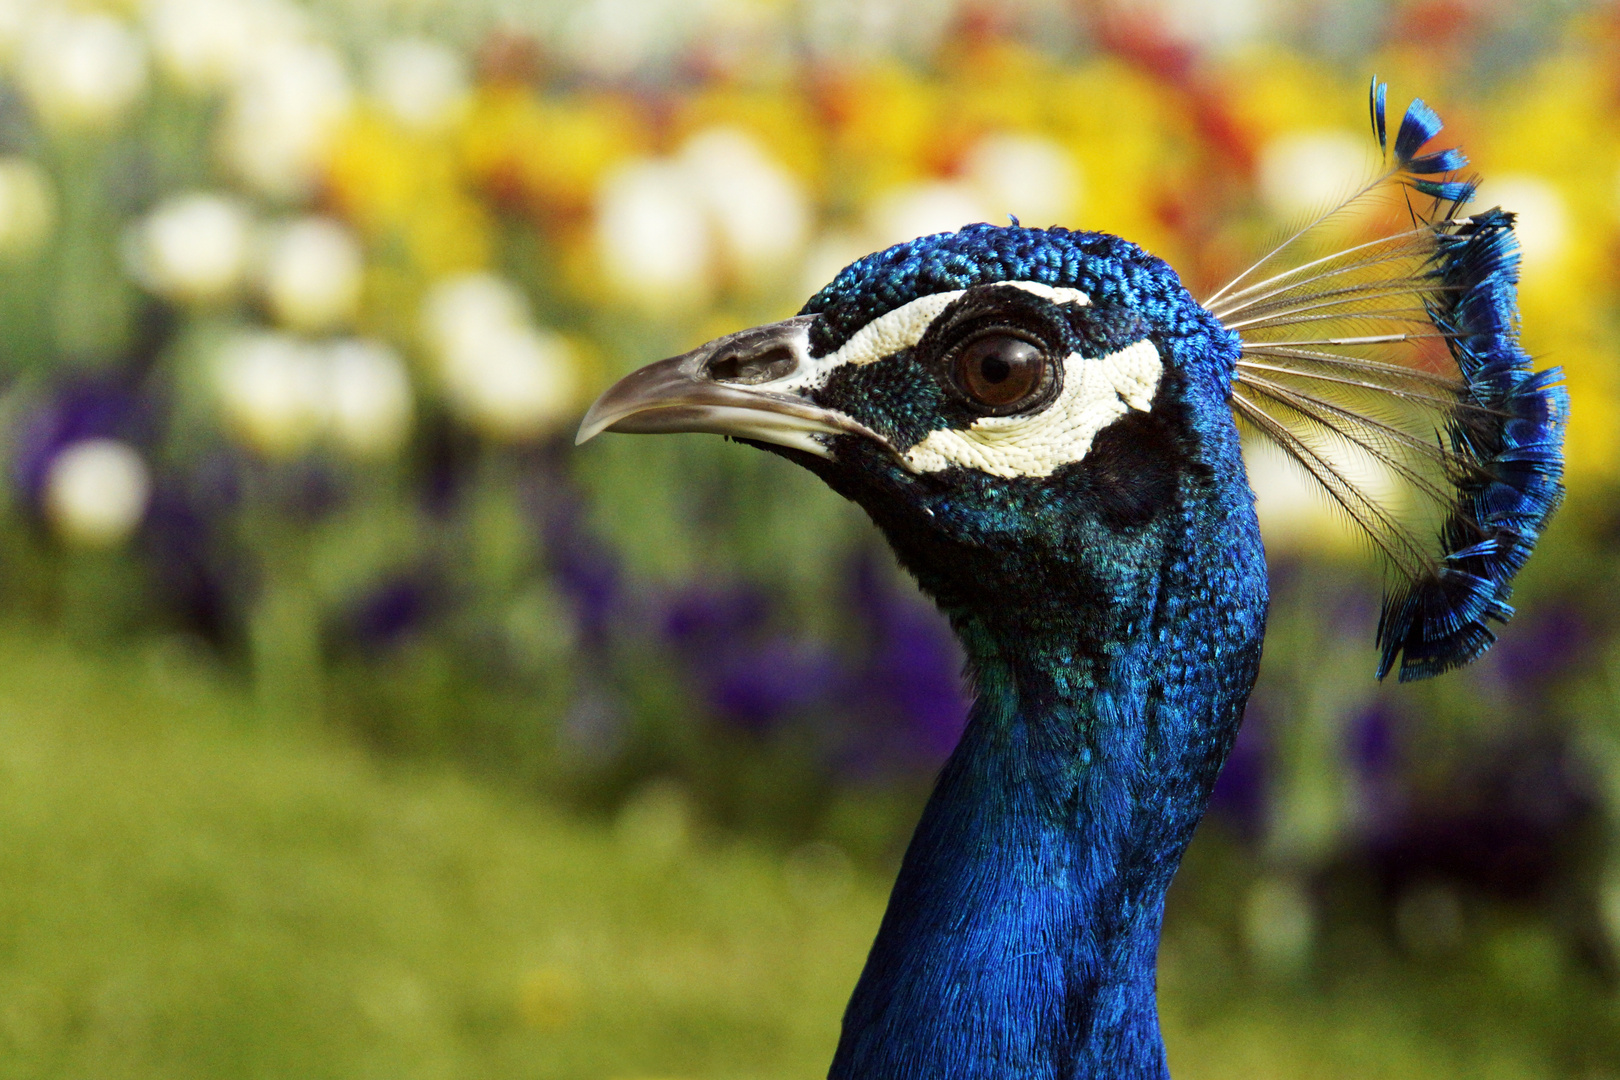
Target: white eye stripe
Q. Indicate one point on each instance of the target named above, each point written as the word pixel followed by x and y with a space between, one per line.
pixel 1055 293
pixel 892 331
pixel 1095 394
pixel 903 327
pixel 889 333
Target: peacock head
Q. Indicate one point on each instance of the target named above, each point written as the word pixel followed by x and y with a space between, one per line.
pixel 1043 420
pixel 1024 412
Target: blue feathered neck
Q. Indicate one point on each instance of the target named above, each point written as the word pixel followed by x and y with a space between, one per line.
pixel 1021 940
pixel 1112 647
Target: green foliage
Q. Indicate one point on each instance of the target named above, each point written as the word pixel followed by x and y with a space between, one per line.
pixel 192 893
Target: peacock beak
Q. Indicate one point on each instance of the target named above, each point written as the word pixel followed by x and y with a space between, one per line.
pixel 749 385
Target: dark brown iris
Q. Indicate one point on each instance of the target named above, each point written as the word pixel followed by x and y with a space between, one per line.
pixel 1000 371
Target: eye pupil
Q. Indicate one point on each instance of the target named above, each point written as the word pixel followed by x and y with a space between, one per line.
pixel 1000 371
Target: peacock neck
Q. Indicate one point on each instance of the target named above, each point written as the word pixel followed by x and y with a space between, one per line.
pixel 1021 937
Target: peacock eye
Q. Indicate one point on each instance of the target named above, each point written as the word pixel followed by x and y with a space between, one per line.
pixel 1000 372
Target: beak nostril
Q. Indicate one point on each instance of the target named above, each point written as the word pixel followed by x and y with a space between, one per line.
pixel 752 366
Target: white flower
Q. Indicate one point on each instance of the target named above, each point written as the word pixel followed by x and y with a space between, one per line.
pixel 369 397
pixel 1542 224
pixel 521 386
pixel 615 38
pixel 877 28
pixel 312 274
pixel 421 82
pixel 192 248
pixel 923 209
pixel 757 208
pixel 27 206
pixel 652 236
pixel 82 71
pixel 664 225
pixel 273 391
pixel 283 114
pixel 1028 176
pixel 459 313
pixel 208 44
pixel 1305 173
pixel 16 16
pixel 96 492
pixel 507 378
pixel 1215 25
pixel 462 314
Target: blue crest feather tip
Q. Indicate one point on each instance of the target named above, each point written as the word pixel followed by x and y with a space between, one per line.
pixel 1376 97
pixel 1442 620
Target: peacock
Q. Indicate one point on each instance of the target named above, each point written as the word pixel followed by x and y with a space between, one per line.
pixel 1047 429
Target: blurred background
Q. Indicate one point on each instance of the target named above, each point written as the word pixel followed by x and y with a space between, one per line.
pixel 354 724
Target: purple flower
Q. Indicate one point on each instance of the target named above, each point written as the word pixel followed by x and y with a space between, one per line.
pixel 1541 646
pixel 907 688
pixel 391 610
pixel 586 569
pixel 747 675
pixel 707 618
pixel 88 407
pixel 1510 823
pixel 1240 791
pixel 912 667
pixel 757 688
pixel 194 577
pixel 1372 751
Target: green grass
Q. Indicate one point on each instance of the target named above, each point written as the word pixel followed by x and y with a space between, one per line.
pixel 185 892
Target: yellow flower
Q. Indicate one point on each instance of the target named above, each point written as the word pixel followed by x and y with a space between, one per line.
pixel 408 187
pixel 884 126
pixel 406 193
pixel 549 154
pixel 998 86
pixel 1135 150
pixel 1271 92
pixel 1551 148
pixel 374 172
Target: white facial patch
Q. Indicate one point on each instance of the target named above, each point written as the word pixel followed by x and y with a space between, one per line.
pixel 903 327
pixel 1095 394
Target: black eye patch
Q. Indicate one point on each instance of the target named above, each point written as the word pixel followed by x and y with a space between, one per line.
pixel 896 396
pixel 1133 472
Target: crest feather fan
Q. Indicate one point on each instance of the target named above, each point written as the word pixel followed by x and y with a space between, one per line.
pixel 1390 369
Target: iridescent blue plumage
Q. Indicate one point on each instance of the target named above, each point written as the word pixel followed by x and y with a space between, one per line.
pixel 1041 422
